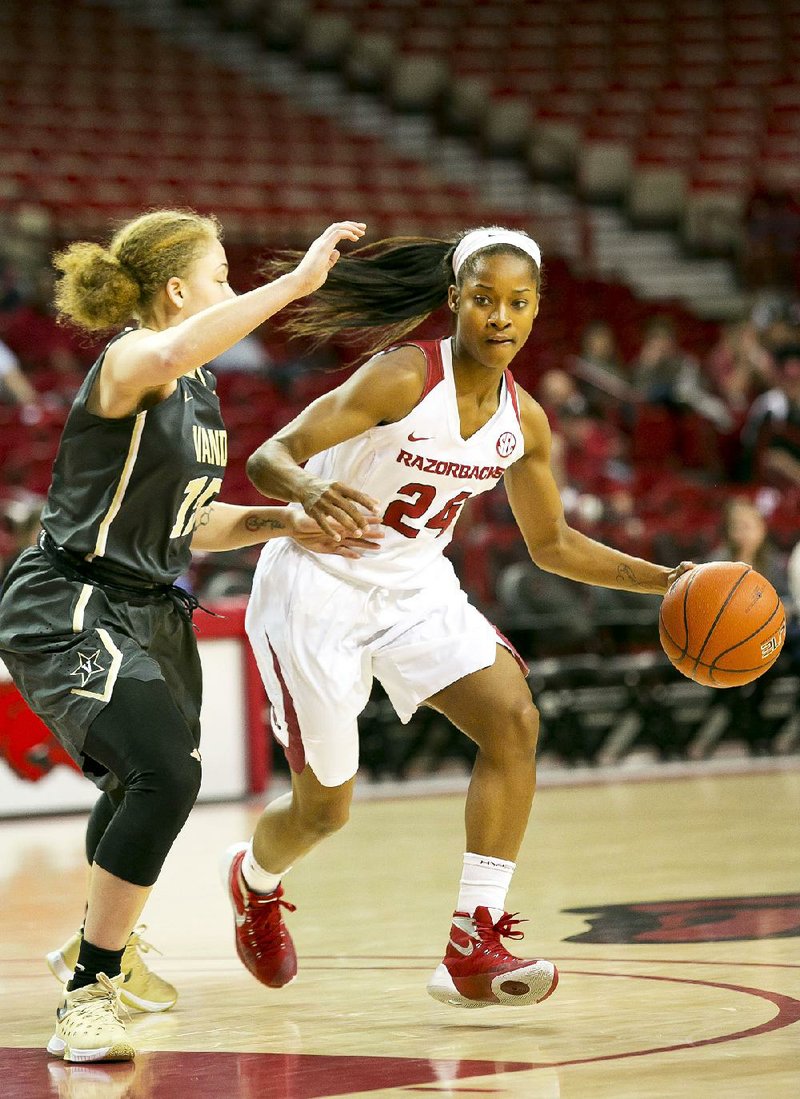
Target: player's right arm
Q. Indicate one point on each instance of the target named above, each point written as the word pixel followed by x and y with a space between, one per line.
pixel 147 360
pixel 382 391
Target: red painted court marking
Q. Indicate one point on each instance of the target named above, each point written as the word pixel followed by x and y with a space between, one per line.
pixel 788 1013
pixel 31 1074
pixel 306 1076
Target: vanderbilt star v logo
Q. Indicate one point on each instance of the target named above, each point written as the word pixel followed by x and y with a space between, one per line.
pixel 88 665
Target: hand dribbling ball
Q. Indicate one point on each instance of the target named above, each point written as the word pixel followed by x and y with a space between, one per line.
pixel 722 624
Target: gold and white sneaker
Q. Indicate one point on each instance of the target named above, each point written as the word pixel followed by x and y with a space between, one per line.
pixel 141 990
pixel 88 1024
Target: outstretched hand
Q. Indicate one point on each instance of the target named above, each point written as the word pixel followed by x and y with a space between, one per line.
pixel 321 256
pixel 344 543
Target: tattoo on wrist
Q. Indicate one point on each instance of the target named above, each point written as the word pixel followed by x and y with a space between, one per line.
pixel 625 575
pixel 256 523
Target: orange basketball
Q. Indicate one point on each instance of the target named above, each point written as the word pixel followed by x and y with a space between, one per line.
pixel 722 624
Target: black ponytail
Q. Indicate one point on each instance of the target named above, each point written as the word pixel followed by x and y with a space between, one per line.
pixel 392 286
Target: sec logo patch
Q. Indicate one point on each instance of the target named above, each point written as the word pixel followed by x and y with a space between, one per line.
pixel 506 443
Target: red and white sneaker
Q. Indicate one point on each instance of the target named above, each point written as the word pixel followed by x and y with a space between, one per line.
pixel 262 941
pixel 477 970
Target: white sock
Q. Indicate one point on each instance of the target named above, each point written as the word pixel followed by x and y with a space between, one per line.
pixel 256 877
pixel 484 880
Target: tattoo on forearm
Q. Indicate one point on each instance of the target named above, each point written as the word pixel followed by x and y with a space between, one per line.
pixel 625 575
pixel 256 523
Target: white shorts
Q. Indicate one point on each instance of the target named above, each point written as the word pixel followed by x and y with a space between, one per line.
pixel 319 641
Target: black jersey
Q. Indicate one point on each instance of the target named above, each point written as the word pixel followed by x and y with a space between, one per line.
pixel 126 491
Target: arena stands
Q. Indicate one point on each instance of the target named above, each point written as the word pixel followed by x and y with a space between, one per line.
pixel 685 117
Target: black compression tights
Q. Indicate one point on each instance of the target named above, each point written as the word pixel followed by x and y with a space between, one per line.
pixel 142 738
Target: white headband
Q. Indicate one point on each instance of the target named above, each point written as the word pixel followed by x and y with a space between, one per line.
pixel 484 238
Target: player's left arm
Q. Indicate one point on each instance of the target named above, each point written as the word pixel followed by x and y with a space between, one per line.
pixel 221 527
pixel 552 543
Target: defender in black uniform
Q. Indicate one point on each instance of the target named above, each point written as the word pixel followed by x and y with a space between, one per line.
pixel 95 603
pixel 93 629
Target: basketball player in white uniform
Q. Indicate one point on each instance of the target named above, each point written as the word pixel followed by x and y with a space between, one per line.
pixel 411 436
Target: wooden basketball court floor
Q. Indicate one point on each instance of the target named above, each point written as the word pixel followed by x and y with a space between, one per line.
pixel 671 907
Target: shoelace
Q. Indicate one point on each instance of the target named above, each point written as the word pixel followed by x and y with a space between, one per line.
pixel 490 935
pixel 264 924
pixel 136 941
pixel 118 1010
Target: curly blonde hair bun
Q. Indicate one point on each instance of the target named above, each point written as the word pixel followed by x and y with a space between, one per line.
pixel 104 287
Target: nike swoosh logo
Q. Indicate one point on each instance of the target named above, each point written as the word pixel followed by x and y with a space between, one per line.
pixel 465 950
pixel 188 397
pixel 418 438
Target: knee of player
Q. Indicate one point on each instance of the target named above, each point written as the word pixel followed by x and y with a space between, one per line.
pixel 188 779
pixel 326 817
pixel 175 784
pixel 522 727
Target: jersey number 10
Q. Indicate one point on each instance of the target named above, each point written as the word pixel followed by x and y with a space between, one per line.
pixel 196 495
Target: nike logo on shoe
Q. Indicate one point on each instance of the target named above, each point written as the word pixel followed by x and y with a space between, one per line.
pixel 465 950
pixel 463 928
pixel 188 397
pixel 412 438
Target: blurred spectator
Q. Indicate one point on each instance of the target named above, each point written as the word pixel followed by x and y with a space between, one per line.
pixel 557 392
pixel 771 434
pixel 664 374
pixel 793 572
pixel 772 239
pixel 20 519
pixel 248 356
pixel 776 317
pixel 745 537
pixel 595 451
pixel 589 452
pixel 792 606
pixel 38 341
pixel 10 296
pixel 545 613
pixel 598 369
pixel 739 366
pixel 14 386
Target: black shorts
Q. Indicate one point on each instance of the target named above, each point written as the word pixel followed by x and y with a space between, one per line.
pixel 67 643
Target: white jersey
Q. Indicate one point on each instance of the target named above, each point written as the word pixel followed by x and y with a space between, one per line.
pixel 422 471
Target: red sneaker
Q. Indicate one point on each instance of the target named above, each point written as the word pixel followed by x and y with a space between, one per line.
pixel 262 941
pixel 477 970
